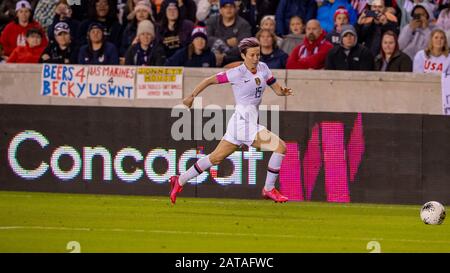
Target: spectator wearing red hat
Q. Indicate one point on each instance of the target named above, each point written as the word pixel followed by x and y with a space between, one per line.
pixel 31 52
pixel 340 18
pixel 196 54
pixel 311 54
pixel 14 33
pixel 326 12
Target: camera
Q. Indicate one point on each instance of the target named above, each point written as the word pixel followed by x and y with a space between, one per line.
pixel 371 13
pixel 416 16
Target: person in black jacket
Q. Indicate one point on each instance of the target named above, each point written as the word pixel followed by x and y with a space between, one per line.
pixel 391 58
pixel 145 51
pixel 196 54
pixel 349 55
pixel 60 50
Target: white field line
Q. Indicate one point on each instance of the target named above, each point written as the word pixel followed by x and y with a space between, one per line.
pixel 231 201
pixel 205 233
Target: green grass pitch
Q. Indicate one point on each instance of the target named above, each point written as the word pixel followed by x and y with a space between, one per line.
pixel 47 222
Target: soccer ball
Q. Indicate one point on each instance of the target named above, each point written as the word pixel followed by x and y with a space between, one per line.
pixel 432 213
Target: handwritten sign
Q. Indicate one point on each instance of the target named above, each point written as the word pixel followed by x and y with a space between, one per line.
pixel 111 82
pixel 68 81
pixel 445 80
pixel 159 83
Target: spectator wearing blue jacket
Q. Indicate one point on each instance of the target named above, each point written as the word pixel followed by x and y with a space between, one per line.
pixel 306 9
pixel 196 54
pixel 325 13
pixel 98 50
pixel 271 55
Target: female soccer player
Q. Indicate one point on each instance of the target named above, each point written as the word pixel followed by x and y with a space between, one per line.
pixel 248 82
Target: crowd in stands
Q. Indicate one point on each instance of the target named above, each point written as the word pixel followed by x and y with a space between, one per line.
pixel 365 35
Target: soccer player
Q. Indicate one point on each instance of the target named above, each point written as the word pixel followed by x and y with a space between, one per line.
pixel 248 82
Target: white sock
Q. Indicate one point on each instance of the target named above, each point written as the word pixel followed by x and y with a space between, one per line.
pixel 272 170
pixel 200 166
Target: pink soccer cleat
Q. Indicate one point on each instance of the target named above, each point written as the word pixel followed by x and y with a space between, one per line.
pixel 175 188
pixel 275 195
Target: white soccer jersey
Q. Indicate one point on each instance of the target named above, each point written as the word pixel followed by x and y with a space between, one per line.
pixel 248 89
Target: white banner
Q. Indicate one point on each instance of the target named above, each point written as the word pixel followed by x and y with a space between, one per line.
pixel 445 93
pixel 111 82
pixel 159 83
pixel 68 81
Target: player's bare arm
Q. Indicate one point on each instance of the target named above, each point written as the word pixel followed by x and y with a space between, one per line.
pixel 198 89
pixel 281 91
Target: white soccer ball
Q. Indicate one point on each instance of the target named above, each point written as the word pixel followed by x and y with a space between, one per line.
pixel 432 213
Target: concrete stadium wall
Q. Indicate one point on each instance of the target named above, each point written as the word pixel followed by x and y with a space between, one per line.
pixel 317 91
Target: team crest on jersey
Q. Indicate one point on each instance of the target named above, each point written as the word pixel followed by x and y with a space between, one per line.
pixel 258 81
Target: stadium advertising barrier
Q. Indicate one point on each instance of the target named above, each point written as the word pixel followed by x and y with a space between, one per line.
pixel 334 157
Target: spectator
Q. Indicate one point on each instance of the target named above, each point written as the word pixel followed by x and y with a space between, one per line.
pixel 142 11
pixel 295 36
pixel 349 55
pixel 14 33
pixel 306 9
pixel 274 57
pixel 443 20
pixel 31 52
pixel 2 56
pixel 434 58
pixel 7 12
pixel 44 12
pixel 206 9
pixel 103 12
pixel 79 9
pixel 408 6
pixel 61 49
pixel 98 50
pixel 225 31
pixel 326 12
pixel 340 18
pixel 373 23
pixel 254 10
pixel 63 13
pixel 414 36
pixel 174 32
pixel 157 8
pixel 145 51
pixel 268 23
pixel 196 54
pixel 188 10
pixel 391 58
pixel 312 53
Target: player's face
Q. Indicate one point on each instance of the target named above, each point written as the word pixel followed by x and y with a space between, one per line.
pixel 251 58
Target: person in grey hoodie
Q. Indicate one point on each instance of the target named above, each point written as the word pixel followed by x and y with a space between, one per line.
pixel 225 31
pixel 415 35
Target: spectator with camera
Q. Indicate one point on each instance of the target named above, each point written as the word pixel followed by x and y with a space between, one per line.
pixel 373 23
pixel 349 55
pixel 60 50
pixel 415 36
pixel 225 31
